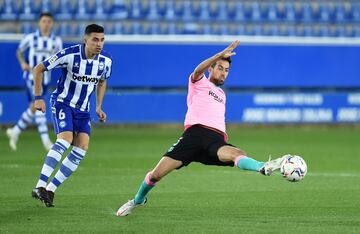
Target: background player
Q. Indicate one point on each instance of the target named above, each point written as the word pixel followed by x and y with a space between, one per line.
pixel 205 138
pixel 85 67
pixel 39 46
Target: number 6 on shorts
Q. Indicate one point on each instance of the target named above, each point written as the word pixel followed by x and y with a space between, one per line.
pixel 61 114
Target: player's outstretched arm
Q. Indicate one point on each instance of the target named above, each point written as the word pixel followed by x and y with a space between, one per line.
pixel 38 74
pixel 100 92
pixel 204 65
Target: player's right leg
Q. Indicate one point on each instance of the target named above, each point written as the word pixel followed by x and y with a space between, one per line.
pixel 52 159
pixel 64 129
pixel 178 155
pixel 164 167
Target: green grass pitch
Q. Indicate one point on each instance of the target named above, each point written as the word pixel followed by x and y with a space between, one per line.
pixel 195 199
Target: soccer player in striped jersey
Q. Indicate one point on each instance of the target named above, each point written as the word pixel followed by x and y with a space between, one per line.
pixel 39 45
pixel 205 138
pixel 85 69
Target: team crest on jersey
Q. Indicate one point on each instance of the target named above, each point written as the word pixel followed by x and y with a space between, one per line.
pixel 53 59
pixel 101 65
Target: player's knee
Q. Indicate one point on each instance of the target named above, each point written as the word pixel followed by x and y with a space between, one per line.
pixel 83 146
pixel 155 176
pixel 235 152
pixel 68 139
pixel 32 107
pixel 66 136
pixel 240 152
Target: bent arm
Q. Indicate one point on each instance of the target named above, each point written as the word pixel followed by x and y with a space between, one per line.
pixel 38 76
pixel 204 65
pixel 20 57
pixel 100 92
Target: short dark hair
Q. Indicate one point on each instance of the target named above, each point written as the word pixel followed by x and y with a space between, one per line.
pixel 46 14
pixel 93 28
pixel 226 59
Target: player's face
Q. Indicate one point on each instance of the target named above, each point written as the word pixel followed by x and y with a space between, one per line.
pixel 45 24
pixel 95 42
pixel 219 73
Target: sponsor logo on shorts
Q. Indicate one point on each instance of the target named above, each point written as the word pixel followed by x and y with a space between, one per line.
pixel 62 124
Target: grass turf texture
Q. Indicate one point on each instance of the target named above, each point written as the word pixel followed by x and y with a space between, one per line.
pixel 196 199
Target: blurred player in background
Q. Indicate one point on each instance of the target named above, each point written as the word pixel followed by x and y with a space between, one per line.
pixel 85 67
pixel 205 138
pixel 39 45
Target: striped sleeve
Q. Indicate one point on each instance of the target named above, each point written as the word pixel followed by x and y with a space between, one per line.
pixel 60 59
pixel 25 43
pixel 108 70
pixel 57 60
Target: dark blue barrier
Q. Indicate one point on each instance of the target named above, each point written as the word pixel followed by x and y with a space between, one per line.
pixel 241 107
pixel 169 65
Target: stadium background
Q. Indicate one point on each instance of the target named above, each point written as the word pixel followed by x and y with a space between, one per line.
pixel 297 64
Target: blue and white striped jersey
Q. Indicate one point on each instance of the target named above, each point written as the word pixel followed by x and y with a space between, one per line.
pixel 79 75
pixel 40 48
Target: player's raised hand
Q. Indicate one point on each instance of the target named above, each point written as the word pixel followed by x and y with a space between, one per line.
pixel 101 114
pixel 40 105
pixel 229 50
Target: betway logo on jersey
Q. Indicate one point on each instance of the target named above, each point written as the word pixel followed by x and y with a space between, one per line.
pixel 216 97
pixel 86 79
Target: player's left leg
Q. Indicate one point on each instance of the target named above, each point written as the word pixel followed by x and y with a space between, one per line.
pixel 70 162
pixel 229 153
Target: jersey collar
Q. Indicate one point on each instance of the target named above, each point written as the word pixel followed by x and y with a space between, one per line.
pixel 38 33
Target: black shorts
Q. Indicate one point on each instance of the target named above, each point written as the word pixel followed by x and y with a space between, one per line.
pixel 198 144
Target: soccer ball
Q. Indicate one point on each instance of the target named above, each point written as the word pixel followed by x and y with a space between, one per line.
pixel 293 168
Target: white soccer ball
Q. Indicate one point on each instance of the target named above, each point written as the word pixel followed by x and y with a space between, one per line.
pixel 293 168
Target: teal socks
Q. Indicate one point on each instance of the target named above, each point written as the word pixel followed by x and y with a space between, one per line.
pixel 246 163
pixel 144 189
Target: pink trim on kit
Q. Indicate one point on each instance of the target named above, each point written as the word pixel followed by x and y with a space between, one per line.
pixel 238 158
pixel 148 181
